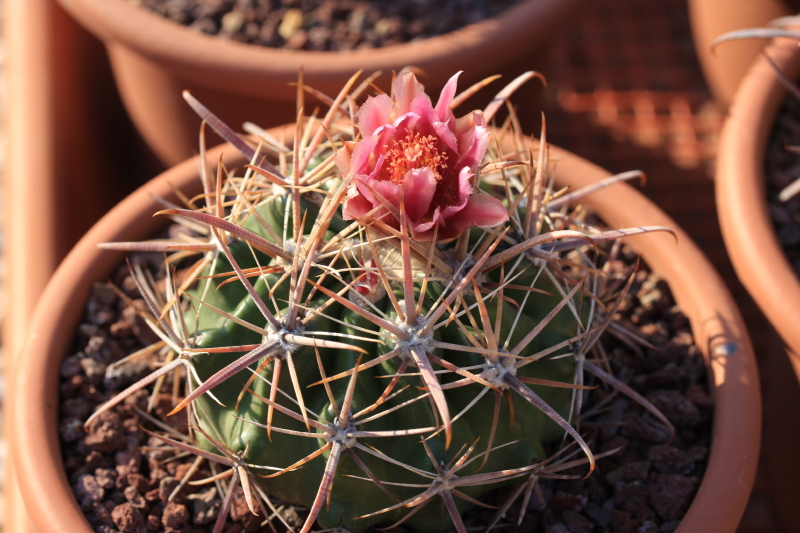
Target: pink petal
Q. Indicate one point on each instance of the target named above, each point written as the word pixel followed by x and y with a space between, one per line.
pixel 421 105
pixel 472 146
pixel 391 196
pixel 443 132
pixel 405 122
pixel 344 157
pixel 464 193
pixel 362 180
pixel 360 159
pixel 419 185
pixel 469 121
pixel 376 171
pixel 375 112
pixel 446 97
pixel 388 190
pixel 364 184
pixel 481 210
pixel 364 201
pixel 424 231
pixel 355 206
pixel 406 88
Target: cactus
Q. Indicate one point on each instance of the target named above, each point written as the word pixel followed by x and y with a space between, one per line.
pixel 385 315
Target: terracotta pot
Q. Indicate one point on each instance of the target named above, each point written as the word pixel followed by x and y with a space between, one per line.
pixel 64 128
pixel 154 59
pixel 744 216
pixel 716 324
pixel 758 257
pixel 726 66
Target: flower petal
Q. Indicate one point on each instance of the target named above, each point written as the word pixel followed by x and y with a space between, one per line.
pixel 446 98
pixel 398 130
pixel 360 158
pixel 344 157
pixel 481 210
pixel 406 88
pixel 465 191
pixel 424 231
pixel 355 205
pixel 419 185
pixel 391 195
pixel 375 112
pixel 442 130
pixel 421 105
pixel 472 146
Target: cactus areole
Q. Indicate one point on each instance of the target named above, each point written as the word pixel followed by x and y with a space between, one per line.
pixel 384 324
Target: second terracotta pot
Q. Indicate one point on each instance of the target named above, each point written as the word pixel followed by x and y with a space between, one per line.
pixel 747 227
pixel 155 59
pixel 725 67
pixel 760 262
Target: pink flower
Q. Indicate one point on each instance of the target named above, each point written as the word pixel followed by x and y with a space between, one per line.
pixel 422 155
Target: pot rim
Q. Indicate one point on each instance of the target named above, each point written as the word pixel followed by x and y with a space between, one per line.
pixel 160 39
pixel 750 237
pixel 717 326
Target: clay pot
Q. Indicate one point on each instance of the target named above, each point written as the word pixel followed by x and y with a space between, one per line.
pixel 65 127
pixel 717 327
pixel 154 59
pixel 726 66
pixel 760 262
pixel 744 216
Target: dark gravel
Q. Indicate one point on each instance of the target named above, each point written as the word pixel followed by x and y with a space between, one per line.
pixel 326 24
pixel 645 487
pixel 781 168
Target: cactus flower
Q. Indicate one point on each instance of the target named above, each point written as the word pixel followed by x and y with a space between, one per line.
pixel 423 156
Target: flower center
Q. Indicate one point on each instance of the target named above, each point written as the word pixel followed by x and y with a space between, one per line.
pixel 415 151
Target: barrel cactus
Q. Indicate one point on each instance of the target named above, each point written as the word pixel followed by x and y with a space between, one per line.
pixel 399 307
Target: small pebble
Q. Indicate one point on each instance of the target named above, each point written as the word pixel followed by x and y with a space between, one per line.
pixel 120 376
pixel 71 429
pixel 95 371
pixel 671 494
pixel 134 497
pixel 205 506
pixel 671 460
pixel 292 21
pixel 70 366
pixel 175 515
pixel 105 435
pixel 88 490
pixel 676 407
pixel 128 519
pixel 600 515
pixel 630 496
pixel 565 501
pixel 232 22
pixel 577 523
pixel 106 478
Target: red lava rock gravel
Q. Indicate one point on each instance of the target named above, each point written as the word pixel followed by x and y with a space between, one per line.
pixel 326 24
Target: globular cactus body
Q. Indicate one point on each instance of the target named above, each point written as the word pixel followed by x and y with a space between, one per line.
pixel 351 497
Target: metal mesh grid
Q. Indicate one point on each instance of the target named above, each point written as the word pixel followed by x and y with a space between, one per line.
pixel 626 92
